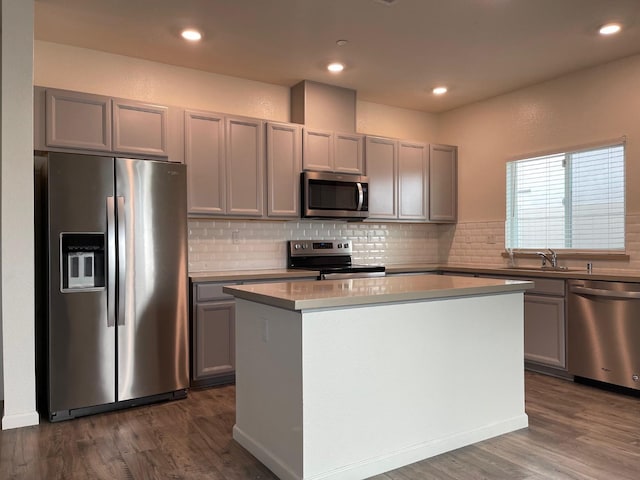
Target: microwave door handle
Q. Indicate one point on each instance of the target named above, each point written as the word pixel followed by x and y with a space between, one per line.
pixel 360 196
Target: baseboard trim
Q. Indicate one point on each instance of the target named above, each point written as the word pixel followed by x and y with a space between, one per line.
pixel 20 420
pixel 381 464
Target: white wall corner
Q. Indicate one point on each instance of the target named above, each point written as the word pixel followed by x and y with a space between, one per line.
pixel 16 203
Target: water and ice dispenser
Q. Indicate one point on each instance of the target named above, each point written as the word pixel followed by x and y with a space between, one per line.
pixel 82 260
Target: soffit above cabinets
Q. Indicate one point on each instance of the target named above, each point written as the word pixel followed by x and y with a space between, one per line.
pixel 396 51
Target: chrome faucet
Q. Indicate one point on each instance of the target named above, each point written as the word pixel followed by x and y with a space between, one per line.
pixel 552 257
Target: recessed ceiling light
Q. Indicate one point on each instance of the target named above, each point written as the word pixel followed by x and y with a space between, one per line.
pixel 610 28
pixel 335 67
pixel 191 35
pixel 439 90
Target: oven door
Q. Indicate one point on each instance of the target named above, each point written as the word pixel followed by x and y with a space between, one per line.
pixel 330 195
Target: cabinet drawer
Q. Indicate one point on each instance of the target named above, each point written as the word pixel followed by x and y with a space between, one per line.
pixel 547 286
pixel 206 292
pixel 542 286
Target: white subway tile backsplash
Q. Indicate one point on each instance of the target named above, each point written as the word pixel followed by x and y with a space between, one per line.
pixel 262 244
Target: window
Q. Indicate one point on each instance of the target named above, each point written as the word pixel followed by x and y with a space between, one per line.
pixel 572 200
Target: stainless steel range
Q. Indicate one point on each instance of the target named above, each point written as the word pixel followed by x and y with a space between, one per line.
pixel 331 257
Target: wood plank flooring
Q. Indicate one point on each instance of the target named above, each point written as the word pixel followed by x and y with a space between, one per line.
pixel 575 432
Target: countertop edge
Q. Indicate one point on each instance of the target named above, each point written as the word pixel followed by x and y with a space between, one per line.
pixel 577 274
pixel 255 275
pixel 377 299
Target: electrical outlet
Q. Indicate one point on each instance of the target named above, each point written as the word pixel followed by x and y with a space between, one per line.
pixel 491 239
pixel 235 237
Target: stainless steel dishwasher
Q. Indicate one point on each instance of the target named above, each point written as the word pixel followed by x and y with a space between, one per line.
pixel 604 331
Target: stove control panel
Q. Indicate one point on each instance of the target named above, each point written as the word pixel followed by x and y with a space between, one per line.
pixel 319 247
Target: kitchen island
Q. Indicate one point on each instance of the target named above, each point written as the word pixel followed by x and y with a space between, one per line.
pixel 345 379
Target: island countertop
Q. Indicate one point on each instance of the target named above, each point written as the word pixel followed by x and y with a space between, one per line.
pixel 366 291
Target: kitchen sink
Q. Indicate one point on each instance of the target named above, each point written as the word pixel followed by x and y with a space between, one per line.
pixel 545 269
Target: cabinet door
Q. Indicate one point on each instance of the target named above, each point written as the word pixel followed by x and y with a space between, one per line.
pixel 204 157
pixel 412 180
pixel 214 342
pixel 77 120
pixel 244 148
pixel 139 128
pixel 317 150
pixel 382 164
pixel 348 157
pixel 544 330
pixel 284 163
pixel 443 183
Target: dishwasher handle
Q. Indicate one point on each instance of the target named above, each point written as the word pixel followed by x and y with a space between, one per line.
pixel 600 292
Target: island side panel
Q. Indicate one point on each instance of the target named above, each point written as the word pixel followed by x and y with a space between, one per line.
pixel 269 386
pixel 391 384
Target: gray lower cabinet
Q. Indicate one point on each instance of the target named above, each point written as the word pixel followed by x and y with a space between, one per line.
pixel 443 183
pixel 83 122
pixel 544 330
pixel 212 331
pixel 212 335
pixel 545 324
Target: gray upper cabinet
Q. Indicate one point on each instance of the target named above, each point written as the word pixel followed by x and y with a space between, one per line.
pixel 443 183
pixel 225 160
pixel 382 170
pixel 348 156
pixel 76 121
pixel 204 156
pixel 284 164
pixel 329 151
pixel 139 128
pixel 317 153
pixel 244 151
pixel 413 162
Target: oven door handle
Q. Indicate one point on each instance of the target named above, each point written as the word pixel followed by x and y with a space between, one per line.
pixel 360 196
pixel 341 276
pixel 599 292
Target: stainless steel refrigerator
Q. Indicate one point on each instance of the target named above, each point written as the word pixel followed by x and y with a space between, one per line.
pixel 112 301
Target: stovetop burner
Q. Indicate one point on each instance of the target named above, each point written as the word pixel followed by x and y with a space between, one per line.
pixel 330 257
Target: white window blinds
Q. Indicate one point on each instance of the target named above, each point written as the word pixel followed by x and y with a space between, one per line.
pixel 571 200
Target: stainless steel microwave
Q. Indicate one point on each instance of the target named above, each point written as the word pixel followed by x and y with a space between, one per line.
pixel 335 195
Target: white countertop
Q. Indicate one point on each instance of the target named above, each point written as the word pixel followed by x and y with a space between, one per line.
pixel 519 272
pixel 365 291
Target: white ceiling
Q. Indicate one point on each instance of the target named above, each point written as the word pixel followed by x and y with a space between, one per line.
pixel 396 53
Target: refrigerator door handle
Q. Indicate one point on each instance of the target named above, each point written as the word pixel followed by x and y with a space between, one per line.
pixel 111 263
pixel 122 262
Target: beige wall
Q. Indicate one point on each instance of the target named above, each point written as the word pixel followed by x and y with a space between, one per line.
pixel 589 106
pixel 72 68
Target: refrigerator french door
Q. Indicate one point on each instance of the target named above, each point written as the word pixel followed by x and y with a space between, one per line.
pixel 117 331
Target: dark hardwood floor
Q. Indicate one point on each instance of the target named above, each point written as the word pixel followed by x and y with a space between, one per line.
pixel 575 432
